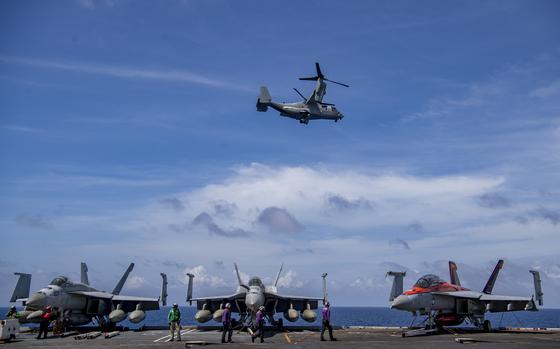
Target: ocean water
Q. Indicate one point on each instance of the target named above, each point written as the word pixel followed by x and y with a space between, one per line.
pixel 365 316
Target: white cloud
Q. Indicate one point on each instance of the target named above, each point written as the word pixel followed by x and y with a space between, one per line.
pixel 135 282
pixel 202 277
pixel 127 72
pixel 289 280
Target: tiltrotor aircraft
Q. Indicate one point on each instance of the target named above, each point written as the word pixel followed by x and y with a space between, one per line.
pixel 79 303
pixel 449 304
pixel 249 297
pixel 312 108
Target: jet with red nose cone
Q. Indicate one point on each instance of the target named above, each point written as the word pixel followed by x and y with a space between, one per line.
pixel 450 304
pixel 79 303
pixel 250 296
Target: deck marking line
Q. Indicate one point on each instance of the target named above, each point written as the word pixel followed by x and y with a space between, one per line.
pixel 287 338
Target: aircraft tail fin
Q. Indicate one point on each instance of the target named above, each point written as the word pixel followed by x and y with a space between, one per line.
pixel 163 296
pixel 278 275
pixel 120 285
pixel 492 280
pixel 453 276
pixel 397 287
pixel 264 99
pixel 189 288
pixel 538 287
pixel 22 287
pixel 84 274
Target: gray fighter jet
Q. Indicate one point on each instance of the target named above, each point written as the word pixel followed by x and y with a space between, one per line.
pixel 450 304
pixel 79 303
pixel 312 108
pixel 249 297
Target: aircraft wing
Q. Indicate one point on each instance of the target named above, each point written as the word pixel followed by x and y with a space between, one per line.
pixel 213 303
pixel 284 302
pixel 495 303
pixel 128 302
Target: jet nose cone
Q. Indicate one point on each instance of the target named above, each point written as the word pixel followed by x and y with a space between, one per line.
pixel 37 300
pixel 253 301
pixel 402 302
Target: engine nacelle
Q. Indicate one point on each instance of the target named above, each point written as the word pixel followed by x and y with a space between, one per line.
pixel 137 315
pixel 203 316
pixel 117 315
pixel 309 315
pixel 35 316
pixel 217 316
pixel 291 315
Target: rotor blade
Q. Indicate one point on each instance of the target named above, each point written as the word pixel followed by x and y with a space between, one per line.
pixel 338 83
pixel 299 93
pixel 319 73
pixel 310 78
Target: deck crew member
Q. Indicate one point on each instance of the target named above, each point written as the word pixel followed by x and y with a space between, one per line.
pixel 12 313
pixel 46 319
pixel 327 322
pixel 259 323
pixel 226 323
pixel 174 318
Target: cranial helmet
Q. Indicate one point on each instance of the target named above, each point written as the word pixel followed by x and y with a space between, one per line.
pixel 228 305
pixel 175 305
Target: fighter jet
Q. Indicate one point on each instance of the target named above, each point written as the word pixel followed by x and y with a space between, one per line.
pixel 450 304
pixel 249 297
pixel 311 108
pixel 79 303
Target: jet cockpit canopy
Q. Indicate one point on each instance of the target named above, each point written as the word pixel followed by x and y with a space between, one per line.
pixel 428 280
pixel 255 281
pixel 59 281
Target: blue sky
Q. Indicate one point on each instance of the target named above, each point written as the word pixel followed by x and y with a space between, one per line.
pixel 128 132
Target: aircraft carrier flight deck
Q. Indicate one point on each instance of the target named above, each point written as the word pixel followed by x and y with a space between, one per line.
pixel 353 337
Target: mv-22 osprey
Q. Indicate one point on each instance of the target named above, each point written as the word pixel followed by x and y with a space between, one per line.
pixel 251 296
pixel 312 108
pixel 450 304
pixel 79 303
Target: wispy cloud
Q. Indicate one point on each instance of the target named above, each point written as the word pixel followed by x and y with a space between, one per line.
pixel 19 128
pixel 127 72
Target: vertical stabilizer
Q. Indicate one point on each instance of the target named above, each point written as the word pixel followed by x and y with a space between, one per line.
pixel 278 275
pixel 22 287
pixel 538 287
pixel 492 280
pixel 163 296
pixel 83 274
pixel 453 276
pixel 239 277
pixel 397 287
pixel 120 285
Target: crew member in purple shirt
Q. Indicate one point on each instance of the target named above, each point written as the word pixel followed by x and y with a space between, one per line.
pixel 259 323
pixel 226 323
pixel 327 321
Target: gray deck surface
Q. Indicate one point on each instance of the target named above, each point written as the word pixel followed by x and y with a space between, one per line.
pixel 348 338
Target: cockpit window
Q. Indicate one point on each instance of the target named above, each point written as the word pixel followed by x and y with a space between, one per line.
pixel 59 281
pixel 428 281
pixel 255 281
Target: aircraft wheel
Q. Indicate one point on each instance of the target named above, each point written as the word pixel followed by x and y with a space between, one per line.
pixel 487 326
